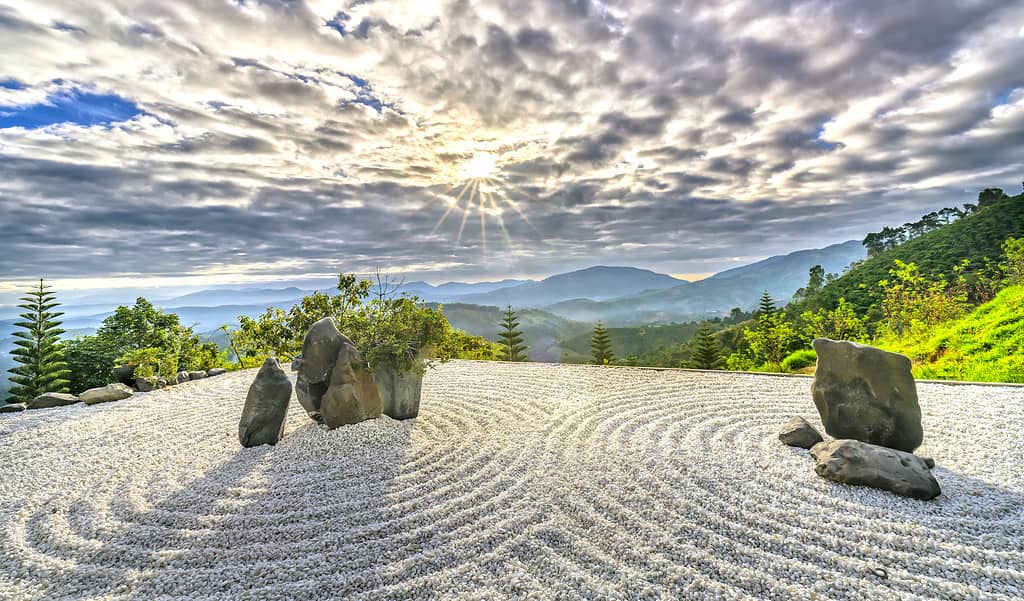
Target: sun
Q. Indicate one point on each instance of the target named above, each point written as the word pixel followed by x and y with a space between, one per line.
pixel 480 166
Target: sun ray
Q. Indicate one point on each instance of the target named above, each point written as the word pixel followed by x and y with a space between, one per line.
pixel 465 215
pixel 451 207
pixel 483 218
pixel 515 205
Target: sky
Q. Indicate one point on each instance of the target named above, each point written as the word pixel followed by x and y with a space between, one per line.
pixel 220 141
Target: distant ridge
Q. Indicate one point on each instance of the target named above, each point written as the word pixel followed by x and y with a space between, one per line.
pixel 600 282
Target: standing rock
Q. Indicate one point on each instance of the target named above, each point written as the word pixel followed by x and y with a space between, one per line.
pixel 196 375
pixel 866 394
pixel 105 394
pixel 52 399
pixel 319 353
pixel 352 395
pixel 798 432
pixel 856 462
pixel 12 407
pixel 182 377
pixel 400 391
pixel 266 406
pixel 216 371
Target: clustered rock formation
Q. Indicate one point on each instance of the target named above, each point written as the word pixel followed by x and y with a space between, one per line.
pixel 333 385
pixel 867 400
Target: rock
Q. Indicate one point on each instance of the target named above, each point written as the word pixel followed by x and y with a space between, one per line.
pixel 196 375
pixel 182 377
pixel 866 394
pixel 216 371
pixel 145 384
pixel 296 363
pixel 929 462
pixel 161 383
pixel 105 394
pixel 12 407
pixel 352 395
pixel 400 391
pixel 52 399
pixel 319 351
pixel 125 374
pixel 798 432
pixel 266 406
pixel 856 462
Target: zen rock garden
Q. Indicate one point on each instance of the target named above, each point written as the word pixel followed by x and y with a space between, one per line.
pixel 333 385
pixel 867 401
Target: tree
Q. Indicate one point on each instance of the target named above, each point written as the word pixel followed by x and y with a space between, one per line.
pixel 511 338
pixel 38 349
pixel 707 354
pixel 766 304
pixel 601 345
pixel 815 282
pixel 989 196
pixel 1013 265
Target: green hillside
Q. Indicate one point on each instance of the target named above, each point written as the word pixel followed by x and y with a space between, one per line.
pixel 630 341
pixel 985 346
pixel 543 332
pixel 974 237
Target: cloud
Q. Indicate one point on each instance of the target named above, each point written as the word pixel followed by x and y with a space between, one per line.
pixel 319 135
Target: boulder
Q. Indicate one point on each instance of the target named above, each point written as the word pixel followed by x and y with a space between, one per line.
pixel 266 406
pixel 52 399
pixel 860 463
pixel 12 407
pixel 182 377
pixel 309 396
pixel 125 374
pixel 196 375
pixel 320 350
pixel 145 384
pixel 351 395
pixel 798 432
pixel 400 391
pixel 216 371
pixel 866 394
pixel 105 394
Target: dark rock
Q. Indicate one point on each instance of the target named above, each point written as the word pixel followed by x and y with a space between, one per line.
pixel 400 391
pixel 266 406
pixel 161 383
pixel 125 374
pixel 196 375
pixel 867 394
pixel 860 463
pixel 798 432
pixel 182 377
pixel 52 399
pixel 12 407
pixel 929 462
pixel 296 363
pixel 352 395
pixel 145 384
pixel 216 371
pixel 106 394
pixel 320 350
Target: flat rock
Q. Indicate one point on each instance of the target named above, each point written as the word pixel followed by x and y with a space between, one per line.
pixel 266 406
pixel 106 394
pixel 860 463
pixel 352 395
pixel 12 408
pixel 52 399
pixel 798 432
pixel 196 375
pixel 216 371
pixel 867 394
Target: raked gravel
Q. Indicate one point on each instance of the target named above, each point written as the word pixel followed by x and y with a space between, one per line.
pixel 523 481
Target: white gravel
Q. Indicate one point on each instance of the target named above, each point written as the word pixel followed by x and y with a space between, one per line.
pixel 525 481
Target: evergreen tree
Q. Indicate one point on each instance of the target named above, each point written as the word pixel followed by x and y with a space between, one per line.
pixel 601 345
pixel 766 304
pixel 707 354
pixel 38 349
pixel 511 338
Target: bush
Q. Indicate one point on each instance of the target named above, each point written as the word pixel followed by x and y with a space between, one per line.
pixel 799 359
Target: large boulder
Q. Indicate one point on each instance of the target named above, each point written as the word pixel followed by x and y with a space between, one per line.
pixel 866 394
pixel 856 462
pixel 52 399
pixel 400 391
pixel 266 406
pixel 125 374
pixel 351 395
pixel 319 352
pixel 798 432
pixel 12 407
pixel 105 394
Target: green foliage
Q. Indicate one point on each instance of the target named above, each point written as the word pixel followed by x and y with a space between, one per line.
pixel 986 345
pixel 840 323
pixel 800 359
pixel 91 360
pixel 38 350
pixel 151 361
pixel 601 346
pixel 766 304
pixel 511 338
pixel 707 353
pixel 1013 266
pixel 460 345
pixel 912 301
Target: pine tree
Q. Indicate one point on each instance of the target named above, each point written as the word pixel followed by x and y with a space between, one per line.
pixel 601 345
pixel 511 338
pixel 766 305
pixel 707 354
pixel 38 349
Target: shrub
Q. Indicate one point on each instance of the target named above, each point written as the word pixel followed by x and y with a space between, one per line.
pixel 799 360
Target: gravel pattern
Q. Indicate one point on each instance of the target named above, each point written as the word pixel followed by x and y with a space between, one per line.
pixel 523 481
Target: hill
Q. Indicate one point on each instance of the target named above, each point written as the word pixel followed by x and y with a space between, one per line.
pixel 543 332
pixel 985 346
pixel 594 283
pixel 975 238
pixel 630 341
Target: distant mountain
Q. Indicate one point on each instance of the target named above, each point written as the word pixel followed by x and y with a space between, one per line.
pixel 594 283
pixel 228 296
pixel 781 276
pixel 453 291
pixel 543 332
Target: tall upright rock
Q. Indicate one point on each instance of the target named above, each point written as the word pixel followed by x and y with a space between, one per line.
pixel 867 394
pixel 266 406
pixel 319 353
pixel 352 394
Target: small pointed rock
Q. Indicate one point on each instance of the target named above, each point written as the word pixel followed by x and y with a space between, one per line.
pixel 798 432
pixel 266 406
